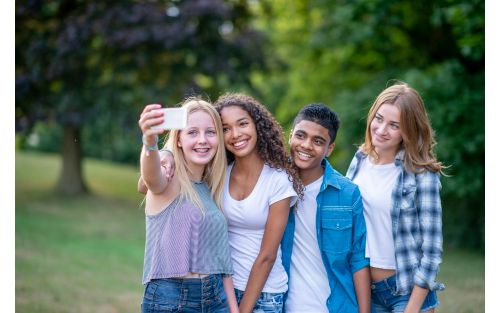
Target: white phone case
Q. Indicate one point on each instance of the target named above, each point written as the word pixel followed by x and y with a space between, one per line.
pixel 173 118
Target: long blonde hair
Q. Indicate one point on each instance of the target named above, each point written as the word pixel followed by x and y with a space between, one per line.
pixel 215 171
pixel 416 130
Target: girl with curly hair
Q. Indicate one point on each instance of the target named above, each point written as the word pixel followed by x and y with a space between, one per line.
pixel 261 186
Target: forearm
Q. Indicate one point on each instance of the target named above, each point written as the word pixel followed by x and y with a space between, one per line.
pixel 417 298
pixel 256 281
pixel 363 291
pixel 151 172
pixel 231 297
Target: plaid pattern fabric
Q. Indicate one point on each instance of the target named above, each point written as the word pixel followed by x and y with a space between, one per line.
pixel 416 226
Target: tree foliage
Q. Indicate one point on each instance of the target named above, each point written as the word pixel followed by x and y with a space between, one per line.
pixel 344 53
pixel 88 67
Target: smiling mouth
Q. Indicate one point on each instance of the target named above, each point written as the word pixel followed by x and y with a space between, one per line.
pixel 240 144
pixel 380 138
pixel 201 150
pixel 303 156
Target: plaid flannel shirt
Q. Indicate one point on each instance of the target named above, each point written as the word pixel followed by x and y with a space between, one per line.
pixel 416 226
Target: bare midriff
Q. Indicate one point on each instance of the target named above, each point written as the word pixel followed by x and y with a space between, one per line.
pixel 378 274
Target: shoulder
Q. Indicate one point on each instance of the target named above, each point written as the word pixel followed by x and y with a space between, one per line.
pixel 427 178
pixel 339 183
pixel 275 174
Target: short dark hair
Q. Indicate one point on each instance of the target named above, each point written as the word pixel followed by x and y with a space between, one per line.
pixel 321 114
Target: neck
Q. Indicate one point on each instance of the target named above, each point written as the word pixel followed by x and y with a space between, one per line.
pixel 310 175
pixel 249 163
pixel 196 173
pixel 384 157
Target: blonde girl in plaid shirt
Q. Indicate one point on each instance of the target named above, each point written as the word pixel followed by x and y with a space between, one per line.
pixel 399 132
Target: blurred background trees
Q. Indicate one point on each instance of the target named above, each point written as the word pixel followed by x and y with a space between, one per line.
pixel 85 69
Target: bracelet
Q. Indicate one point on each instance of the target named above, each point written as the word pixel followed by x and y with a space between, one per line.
pixel 154 147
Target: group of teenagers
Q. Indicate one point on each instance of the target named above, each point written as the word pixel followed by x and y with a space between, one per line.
pixel 237 223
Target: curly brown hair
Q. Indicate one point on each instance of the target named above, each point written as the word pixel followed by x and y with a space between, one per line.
pixel 270 136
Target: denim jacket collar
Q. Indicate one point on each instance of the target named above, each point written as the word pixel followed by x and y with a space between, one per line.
pixel 329 176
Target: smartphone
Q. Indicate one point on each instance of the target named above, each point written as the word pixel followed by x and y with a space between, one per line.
pixel 173 118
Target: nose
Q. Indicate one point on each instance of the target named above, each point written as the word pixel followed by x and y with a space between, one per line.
pixel 306 144
pixel 382 128
pixel 202 138
pixel 235 133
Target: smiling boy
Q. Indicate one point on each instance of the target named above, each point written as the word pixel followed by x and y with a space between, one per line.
pixel 324 242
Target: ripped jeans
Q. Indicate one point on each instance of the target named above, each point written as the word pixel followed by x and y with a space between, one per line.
pixel 266 303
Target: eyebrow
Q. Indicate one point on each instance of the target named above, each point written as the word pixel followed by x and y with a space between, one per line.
pixel 241 119
pixel 381 116
pixel 314 137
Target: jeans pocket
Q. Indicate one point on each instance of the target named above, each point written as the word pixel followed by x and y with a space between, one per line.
pixel 149 292
pixel 161 296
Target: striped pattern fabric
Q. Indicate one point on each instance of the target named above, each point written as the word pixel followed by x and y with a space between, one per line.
pixel 416 226
pixel 181 239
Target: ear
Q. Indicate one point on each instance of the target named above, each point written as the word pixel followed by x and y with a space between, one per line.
pixel 330 149
pixel 179 144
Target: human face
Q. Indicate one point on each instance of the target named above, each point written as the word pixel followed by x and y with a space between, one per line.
pixel 240 134
pixel 199 140
pixel 309 144
pixel 385 130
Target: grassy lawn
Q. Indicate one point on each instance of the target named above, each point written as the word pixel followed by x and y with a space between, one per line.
pixel 84 254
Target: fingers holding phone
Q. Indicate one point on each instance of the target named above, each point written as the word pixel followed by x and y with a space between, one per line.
pixel 150 117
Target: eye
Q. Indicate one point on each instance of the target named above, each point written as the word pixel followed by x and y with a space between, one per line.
pixel 379 119
pixel 192 132
pixel 225 129
pixel 318 142
pixel 211 132
pixel 299 135
pixel 394 126
pixel 243 123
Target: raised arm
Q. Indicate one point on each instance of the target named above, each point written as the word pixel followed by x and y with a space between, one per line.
pixel 152 174
pixel 168 166
pixel 275 226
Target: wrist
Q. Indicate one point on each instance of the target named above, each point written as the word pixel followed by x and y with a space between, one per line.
pixel 148 146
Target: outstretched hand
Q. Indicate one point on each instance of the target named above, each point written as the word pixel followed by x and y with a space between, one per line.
pixel 150 117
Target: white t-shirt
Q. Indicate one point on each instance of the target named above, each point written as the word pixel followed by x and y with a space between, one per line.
pixel 246 223
pixel 308 284
pixel 376 183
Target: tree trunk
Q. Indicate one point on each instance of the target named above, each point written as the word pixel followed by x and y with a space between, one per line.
pixel 71 178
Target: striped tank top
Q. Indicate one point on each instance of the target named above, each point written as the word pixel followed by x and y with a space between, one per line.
pixel 181 239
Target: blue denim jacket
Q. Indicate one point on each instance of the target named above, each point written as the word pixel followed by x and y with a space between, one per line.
pixel 416 226
pixel 341 231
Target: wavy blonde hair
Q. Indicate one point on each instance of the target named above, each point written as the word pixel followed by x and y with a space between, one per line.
pixel 215 171
pixel 416 130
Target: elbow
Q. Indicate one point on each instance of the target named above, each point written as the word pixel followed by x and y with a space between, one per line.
pixel 266 260
pixel 154 188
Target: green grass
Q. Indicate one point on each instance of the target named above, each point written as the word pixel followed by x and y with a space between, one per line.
pixel 85 254
pixel 77 254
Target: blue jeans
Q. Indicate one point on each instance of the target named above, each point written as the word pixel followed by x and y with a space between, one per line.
pixel 187 295
pixel 266 303
pixel 384 299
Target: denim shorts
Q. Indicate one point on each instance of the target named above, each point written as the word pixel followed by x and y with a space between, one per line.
pixel 385 300
pixel 266 303
pixel 188 295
